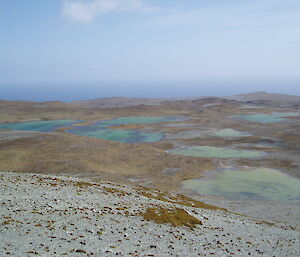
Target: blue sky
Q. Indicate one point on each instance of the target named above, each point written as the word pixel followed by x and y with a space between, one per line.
pixel 147 47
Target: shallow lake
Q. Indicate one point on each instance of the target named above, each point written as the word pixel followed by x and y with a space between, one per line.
pixel 119 135
pixel 216 152
pixel 42 126
pixel 230 133
pixel 140 120
pixel 266 118
pixel 269 184
pixel 101 129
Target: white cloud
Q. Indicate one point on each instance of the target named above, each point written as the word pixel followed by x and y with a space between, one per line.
pixel 86 11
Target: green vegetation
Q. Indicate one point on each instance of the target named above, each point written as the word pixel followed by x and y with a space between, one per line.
pixel 175 217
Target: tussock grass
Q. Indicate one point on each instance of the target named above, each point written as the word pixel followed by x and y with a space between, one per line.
pixel 83 184
pixel 115 191
pixel 175 217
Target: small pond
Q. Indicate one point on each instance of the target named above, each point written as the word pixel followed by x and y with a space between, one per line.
pixel 41 125
pixel 227 133
pixel 216 152
pixel 266 118
pixel 263 183
pixel 230 133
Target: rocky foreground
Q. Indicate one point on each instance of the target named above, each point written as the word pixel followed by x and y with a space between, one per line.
pixel 44 215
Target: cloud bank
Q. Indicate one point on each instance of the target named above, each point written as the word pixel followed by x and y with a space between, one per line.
pixel 86 11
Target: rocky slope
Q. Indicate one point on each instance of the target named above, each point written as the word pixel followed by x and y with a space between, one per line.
pixel 43 215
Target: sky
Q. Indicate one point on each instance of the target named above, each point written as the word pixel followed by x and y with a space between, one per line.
pixel 77 49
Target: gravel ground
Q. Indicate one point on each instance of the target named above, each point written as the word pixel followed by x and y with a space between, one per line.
pixel 44 215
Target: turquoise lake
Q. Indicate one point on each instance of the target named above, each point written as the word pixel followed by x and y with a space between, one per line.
pixel 226 133
pixel 140 120
pixel 263 183
pixel 124 136
pixel 266 118
pixel 216 152
pixel 41 126
pixel 101 129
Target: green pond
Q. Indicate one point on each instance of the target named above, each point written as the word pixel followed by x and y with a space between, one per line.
pixel 101 129
pixel 266 118
pixel 140 120
pixel 216 152
pixel 42 126
pixel 125 136
pixel 230 133
pixel 202 133
pixel 263 183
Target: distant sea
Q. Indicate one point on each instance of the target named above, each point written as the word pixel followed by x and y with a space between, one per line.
pixel 70 91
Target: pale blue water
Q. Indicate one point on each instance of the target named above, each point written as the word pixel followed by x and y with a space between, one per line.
pixel 229 133
pixel 140 88
pixel 266 118
pixel 216 152
pixel 124 136
pixel 260 183
pixel 101 129
pixel 140 120
pixel 42 126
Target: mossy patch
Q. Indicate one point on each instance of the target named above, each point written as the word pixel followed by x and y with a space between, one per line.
pixel 83 184
pixel 115 191
pixel 177 199
pixel 175 217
